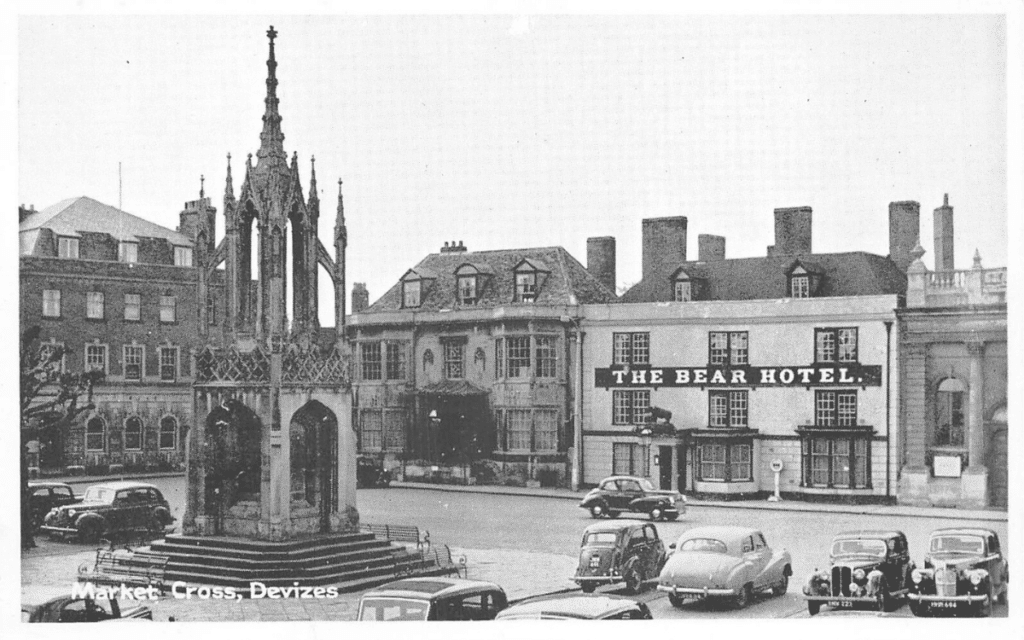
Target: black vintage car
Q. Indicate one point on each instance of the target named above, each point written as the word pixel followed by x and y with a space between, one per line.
pixel 70 608
pixel 45 496
pixel 614 552
pixel 617 494
pixel 433 598
pixel 964 571
pixel 108 509
pixel 370 472
pixel 866 568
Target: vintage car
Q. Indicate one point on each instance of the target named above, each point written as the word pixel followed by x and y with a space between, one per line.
pixel 866 567
pixel 433 598
pixel 109 509
pixel 964 571
pixel 616 494
pixel 370 472
pixel 613 552
pixel 723 562
pixel 576 607
pixel 44 496
pixel 71 609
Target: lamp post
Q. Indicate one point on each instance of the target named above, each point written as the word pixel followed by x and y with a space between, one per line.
pixel 646 435
pixel 577 428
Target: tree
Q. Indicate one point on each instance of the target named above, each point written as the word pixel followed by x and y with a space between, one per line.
pixel 50 399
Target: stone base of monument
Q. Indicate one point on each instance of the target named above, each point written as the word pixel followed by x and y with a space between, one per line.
pixel 348 561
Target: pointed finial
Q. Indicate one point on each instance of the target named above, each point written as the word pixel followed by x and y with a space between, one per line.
pixel 202 180
pixel 229 188
pixel 312 180
pixel 977 259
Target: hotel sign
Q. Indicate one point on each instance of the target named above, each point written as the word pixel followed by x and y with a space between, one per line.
pixel 818 375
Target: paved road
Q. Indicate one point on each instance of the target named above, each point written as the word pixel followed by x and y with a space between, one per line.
pixel 554 526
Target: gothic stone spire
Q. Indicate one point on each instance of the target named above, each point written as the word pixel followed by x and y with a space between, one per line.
pixel 313 197
pixel 271 149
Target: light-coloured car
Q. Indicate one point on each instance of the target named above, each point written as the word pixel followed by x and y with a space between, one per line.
pixel 433 598
pixel 732 563
pixel 576 607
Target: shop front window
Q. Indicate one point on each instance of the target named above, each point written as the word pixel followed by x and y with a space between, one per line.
pixel 949 413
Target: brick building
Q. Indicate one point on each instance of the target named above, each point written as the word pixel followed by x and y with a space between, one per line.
pixel 953 338
pixel 464 368
pixel 790 356
pixel 119 293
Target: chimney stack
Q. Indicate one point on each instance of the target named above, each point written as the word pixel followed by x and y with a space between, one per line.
pixel 601 260
pixel 664 246
pixel 710 248
pixel 360 297
pixel 944 236
pixel 904 232
pixel 453 248
pixel 792 231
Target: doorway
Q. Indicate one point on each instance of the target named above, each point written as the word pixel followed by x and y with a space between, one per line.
pixel 665 467
pixel 681 468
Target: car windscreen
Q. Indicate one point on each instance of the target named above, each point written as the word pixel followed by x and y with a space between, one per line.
pixel 99 494
pixel 646 485
pixel 601 537
pixel 393 609
pixel 958 544
pixel 708 545
pixel 860 546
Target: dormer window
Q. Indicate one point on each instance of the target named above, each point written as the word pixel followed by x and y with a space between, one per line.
pixel 411 293
pixel 128 252
pixel 687 284
pixel 529 276
pixel 683 291
pixel 183 256
pixel 803 280
pixel 467 289
pixel 67 248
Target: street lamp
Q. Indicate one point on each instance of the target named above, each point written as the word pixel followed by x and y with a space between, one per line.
pixel 577 428
pixel 646 435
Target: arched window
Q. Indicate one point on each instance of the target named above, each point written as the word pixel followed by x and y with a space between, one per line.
pixel 949 413
pixel 95 434
pixel 133 433
pixel 168 432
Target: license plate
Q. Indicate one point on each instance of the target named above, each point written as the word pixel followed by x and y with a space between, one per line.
pixel 840 604
pixel 943 605
pixel 595 562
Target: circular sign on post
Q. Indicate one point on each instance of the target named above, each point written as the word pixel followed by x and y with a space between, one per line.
pixel 776 465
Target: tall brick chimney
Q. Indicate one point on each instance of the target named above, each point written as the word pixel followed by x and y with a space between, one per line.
pixel 360 297
pixel 904 231
pixel 792 231
pixel 664 245
pixel 601 260
pixel 710 248
pixel 944 236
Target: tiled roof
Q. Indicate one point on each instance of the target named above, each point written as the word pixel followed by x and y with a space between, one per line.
pixel 567 283
pixel 843 274
pixel 83 214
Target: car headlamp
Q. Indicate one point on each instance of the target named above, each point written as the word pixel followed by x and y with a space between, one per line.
pixel 854 588
pixel 823 576
pixel 916 576
pixel 858 574
pixel 975 578
pixel 71 513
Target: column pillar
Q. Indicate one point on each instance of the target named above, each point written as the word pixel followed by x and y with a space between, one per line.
pixel 915 475
pixel 974 485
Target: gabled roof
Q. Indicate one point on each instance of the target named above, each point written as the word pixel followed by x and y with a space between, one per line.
pixel 844 274
pixel 567 282
pixel 74 216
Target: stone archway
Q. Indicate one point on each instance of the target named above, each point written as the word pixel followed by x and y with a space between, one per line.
pixel 313 434
pixel 232 459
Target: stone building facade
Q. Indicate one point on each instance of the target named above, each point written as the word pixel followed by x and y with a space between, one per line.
pixel 706 371
pixel 464 369
pixel 953 335
pixel 119 293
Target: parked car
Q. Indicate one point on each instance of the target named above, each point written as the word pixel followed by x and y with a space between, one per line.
pixel 613 552
pixel 577 607
pixel 866 567
pixel 433 598
pixel 111 508
pixel 724 562
pixel 370 472
pixel 44 496
pixel 964 571
pixel 71 609
pixel 617 494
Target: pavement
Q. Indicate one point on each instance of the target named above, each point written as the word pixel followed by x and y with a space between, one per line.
pixel 986 515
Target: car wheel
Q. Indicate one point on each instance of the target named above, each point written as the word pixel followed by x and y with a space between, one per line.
pixel 813 607
pixel 632 580
pixel 675 601
pixel 743 598
pixel 916 609
pixel 985 608
pixel 781 587
pixel 1002 594
pixel 884 601
pixel 156 524
pixel 588 587
pixel 90 531
pixel 656 513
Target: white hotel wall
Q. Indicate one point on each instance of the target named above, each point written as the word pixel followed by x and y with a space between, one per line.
pixel 780 333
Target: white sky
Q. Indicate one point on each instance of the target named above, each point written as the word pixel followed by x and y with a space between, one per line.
pixel 508 132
